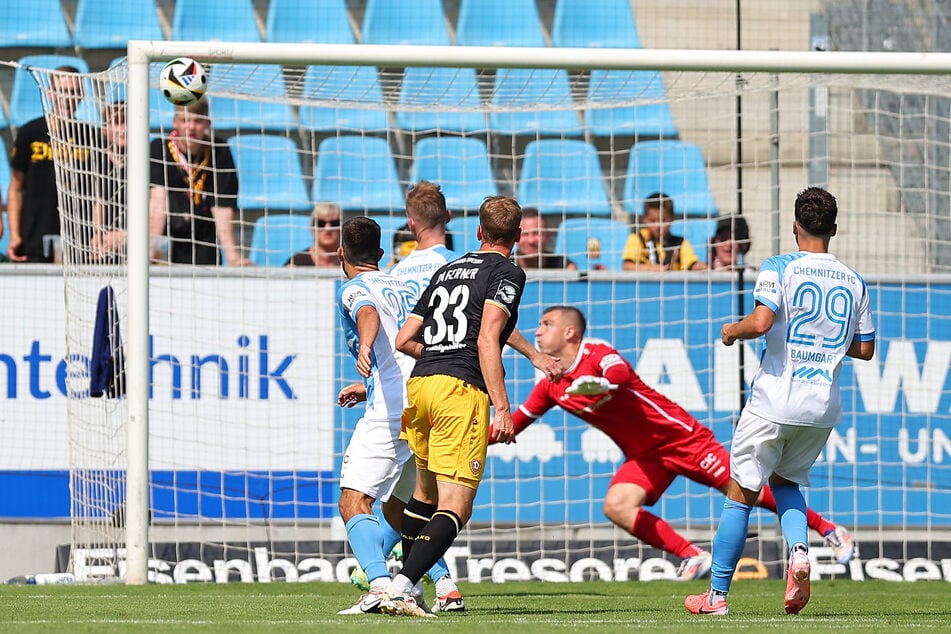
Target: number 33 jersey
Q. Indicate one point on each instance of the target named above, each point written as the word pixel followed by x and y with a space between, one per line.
pixel 821 306
pixel 451 310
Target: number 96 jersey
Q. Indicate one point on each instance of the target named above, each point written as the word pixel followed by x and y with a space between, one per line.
pixel 821 306
pixel 451 310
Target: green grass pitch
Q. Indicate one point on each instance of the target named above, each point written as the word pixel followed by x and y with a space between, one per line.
pixel 868 606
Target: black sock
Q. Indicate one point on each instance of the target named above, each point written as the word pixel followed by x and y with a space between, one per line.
pixel 415 516
pixel 431 544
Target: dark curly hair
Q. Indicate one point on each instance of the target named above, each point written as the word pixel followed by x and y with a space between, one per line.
pixel 816 211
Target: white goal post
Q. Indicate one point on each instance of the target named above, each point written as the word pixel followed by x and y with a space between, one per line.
pixel 547 489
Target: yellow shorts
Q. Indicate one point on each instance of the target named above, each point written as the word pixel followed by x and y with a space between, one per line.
pixel 447 426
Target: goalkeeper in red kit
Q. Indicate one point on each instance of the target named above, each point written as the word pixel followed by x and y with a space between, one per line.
pixel 659 439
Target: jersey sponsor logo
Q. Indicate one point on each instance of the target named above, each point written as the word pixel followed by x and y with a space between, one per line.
pixel 809 373
pixel 506 293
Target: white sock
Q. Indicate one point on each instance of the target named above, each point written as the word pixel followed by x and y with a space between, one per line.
pixel 445 585
pixel 402 584
pixel 379 584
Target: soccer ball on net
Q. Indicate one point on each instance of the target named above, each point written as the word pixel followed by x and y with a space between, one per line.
pixel 183 81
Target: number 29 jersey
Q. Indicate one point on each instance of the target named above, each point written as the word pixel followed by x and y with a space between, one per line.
pixel 451 310
pixel 821 306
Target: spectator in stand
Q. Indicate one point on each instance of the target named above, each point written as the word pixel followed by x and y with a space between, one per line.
pixel 32 203
pixel 730 244
pixel 109 221
pixel 326 228
pixel 660 439
pixel 194 191
pixel 652 248
pixel 532 250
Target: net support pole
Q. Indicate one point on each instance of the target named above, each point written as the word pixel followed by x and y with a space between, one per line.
pixel 137 359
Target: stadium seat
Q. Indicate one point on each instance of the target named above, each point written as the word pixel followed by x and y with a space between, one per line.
pixel 295 21
pixel 459 165
pixel 267 79
pixel 215 21
pixel 562 176
pixel 161 111
pixel 518 88
pixel 357 85
pixel 112 23
pixel 464 230
pixel 427 87
pixel 33 23
pixel 697 231
pixel 26 102
pixel 358 173
pixel 577 25
pixel 652 118
pixel 675 168
pixel 499 23
pixel 269 173
pixel 592 243
pixel 276 237
pixel 416 22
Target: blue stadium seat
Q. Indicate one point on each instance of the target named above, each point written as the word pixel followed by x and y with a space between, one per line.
pixel 576 24
pixel 269 173
pixel 675 168
pixel 698 232
pixel 25 100
pixel 562 176
pixel 33 23
pixel 592 243
pixel 215 21
pixel 227 112
pixel 518 88
pixel 357 85
pixel 459 165
pixel 112 23
pixel 499 23
pixel 426 87
pixel 416 22
pixel 161 111
pixel 464 230
pixel 276 237
pixel 296 21
pixel 358 173
pixel 652 118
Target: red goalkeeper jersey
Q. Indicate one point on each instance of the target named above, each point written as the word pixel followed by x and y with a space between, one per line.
pixel 637 418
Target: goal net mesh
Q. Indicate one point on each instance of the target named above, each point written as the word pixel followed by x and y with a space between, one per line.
pixel 246 361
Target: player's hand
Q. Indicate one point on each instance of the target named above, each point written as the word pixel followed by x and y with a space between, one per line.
pixel 549 365
pixel 502 429
pixel 726 335
pixel 352 394
pixel 590 386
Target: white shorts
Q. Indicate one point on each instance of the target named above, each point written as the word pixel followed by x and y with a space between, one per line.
pixel 762 448
pixel 377 463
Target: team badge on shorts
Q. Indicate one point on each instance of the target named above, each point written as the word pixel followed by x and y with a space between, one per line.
pixel 476 466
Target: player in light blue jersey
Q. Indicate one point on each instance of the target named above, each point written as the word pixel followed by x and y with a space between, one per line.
pixel 814 311
pixel 373 306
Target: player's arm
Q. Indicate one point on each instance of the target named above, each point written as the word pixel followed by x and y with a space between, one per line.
pixel 158 214
pixel 754 325
pixel 14 207
pixel 863 350
pixel 409 340
pixel 548 364
pixel 494 319
pixel 368 327
pixel 352 394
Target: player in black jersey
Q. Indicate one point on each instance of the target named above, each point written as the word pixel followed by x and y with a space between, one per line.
pixel 456 331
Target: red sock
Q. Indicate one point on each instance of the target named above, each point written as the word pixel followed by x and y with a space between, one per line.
pixel 816 522
pixel 654 531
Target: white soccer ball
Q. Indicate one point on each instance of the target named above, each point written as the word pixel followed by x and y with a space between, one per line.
pixel 183 81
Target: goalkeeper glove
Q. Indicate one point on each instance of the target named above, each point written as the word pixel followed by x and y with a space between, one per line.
pixel 590 386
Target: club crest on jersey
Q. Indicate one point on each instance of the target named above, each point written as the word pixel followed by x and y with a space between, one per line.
pixel 476 466
pixel 506 293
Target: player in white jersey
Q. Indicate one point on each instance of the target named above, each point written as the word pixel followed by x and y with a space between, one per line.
pixel 814 311
pixel 372 306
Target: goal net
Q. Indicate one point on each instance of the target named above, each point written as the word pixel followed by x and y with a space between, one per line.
pixel 234 370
